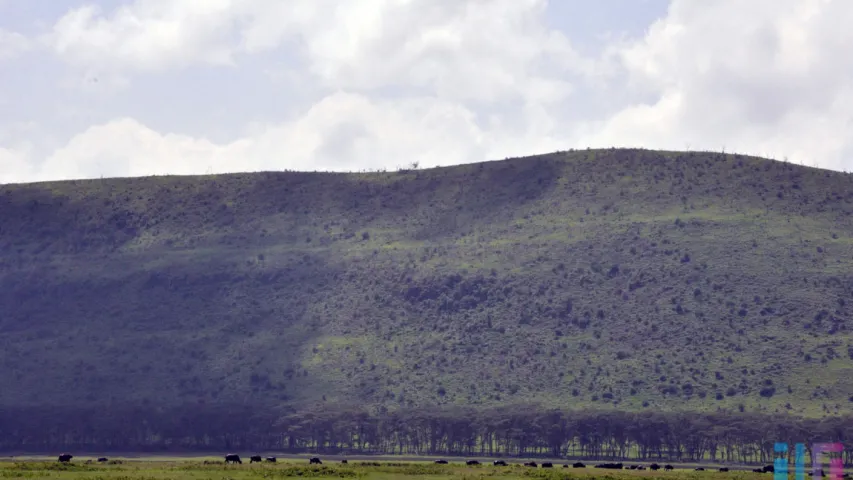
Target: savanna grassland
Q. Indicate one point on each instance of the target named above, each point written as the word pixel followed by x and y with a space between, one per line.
pixel 618 280
pixel 191 469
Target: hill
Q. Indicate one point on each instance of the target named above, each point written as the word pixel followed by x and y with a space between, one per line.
pixel 633 280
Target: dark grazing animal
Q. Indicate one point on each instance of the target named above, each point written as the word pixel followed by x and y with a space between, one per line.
pixel 441 462
pixel 472 462
pixel 255 458
pixel 668 467
pixel 65 457
pixel 578 465
pixel 103 459
pixel 547 465
pixel 499 463
pixel 530 464
pixel 314 460
pixel 271 459
pixel 757 470
pixel 616 466
pixel 699 469
pixel 768 469
pixel 233 458
pixel 344 461
pixel 723 469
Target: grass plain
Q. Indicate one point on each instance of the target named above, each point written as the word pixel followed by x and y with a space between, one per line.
pixel 196 469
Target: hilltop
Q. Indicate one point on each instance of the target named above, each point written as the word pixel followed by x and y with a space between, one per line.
pixel 620 279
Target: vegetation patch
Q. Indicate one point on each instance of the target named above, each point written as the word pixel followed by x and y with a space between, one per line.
pixel 618 280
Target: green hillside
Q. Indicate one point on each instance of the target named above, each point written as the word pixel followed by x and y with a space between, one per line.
pixel 627 279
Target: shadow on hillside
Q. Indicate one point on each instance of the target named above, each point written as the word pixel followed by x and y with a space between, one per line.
pixel 205 332
pixel 489 192
pixel 429 204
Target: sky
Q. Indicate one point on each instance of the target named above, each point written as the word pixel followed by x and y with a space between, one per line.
pixel 152 87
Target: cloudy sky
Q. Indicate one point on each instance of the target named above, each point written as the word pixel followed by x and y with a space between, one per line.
pixel 142 87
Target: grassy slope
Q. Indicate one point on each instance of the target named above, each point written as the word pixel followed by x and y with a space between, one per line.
pixel 628 278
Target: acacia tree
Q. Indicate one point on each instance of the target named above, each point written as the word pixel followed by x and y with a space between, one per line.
pixel 513 430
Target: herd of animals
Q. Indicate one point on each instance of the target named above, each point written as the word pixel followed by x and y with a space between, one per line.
pixel 234 458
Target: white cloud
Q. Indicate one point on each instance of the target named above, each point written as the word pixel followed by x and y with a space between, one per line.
pixel 337 133
pixel 458 49
pixel 12 44
pixel 342 132
pixel 146 35
pixel 445 81
pixel 770 76
pixel 15 166
pixel 444 58
pixel 484 51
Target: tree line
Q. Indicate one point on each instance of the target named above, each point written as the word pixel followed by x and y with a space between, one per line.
pixel 508 431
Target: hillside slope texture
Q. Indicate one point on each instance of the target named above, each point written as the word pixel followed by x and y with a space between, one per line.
pixel 617 279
